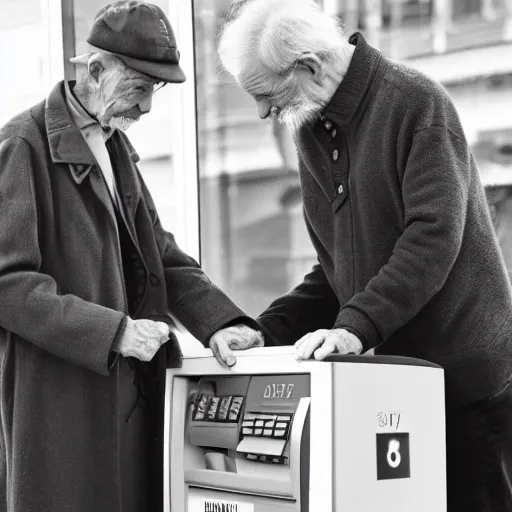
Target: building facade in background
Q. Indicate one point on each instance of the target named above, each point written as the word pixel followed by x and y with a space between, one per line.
pixel 253 241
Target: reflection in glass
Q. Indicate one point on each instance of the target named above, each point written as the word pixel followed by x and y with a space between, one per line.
pixel 254 244
pixel 253 240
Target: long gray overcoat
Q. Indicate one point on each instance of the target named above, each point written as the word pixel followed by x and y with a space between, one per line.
pixel 63 301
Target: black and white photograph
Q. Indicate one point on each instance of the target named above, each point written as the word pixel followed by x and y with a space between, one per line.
pixel 256 256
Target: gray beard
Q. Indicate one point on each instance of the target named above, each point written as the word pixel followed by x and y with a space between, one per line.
pixel 121 123
pixel 301 112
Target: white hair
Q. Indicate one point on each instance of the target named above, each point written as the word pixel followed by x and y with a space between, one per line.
pixel 278 33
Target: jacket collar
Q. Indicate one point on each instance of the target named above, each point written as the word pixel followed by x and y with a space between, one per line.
pixel 347 99
pixel 67 144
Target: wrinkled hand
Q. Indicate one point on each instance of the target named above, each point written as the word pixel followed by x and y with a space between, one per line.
pixel 324 342
pixel 237 337
pixel 142 339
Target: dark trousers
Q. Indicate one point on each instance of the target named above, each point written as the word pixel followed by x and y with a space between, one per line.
pixel 479 455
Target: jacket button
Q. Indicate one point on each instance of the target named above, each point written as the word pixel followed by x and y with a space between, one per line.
pixel 334 133
pixel 340 189
pixel 153 279
pixel 335 155
pixel 328 125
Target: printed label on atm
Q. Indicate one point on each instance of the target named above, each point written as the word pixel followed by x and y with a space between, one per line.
pixel 393 458
pixel 198 504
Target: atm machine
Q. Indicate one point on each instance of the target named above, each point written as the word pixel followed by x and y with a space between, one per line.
pixel 272 434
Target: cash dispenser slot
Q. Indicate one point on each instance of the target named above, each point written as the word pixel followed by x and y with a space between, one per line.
pixel 251 429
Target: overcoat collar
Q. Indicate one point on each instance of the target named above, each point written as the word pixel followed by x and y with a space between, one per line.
pixel 67 145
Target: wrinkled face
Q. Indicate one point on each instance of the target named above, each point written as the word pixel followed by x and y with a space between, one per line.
pixel 123 96
pixel 293 99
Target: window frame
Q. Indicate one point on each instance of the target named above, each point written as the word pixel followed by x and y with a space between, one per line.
pixel 184 144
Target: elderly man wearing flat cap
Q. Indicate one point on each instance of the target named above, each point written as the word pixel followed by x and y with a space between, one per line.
pixel 88 283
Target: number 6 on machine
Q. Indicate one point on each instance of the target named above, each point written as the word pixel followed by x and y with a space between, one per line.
pixel 393 458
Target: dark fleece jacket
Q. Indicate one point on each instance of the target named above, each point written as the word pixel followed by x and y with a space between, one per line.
pixel 408 257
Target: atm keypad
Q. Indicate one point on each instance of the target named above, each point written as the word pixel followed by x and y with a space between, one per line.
pixel 266 425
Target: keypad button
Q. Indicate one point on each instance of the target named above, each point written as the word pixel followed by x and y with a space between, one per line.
pixel 258 431
pixel 279 433
pixel 259 423
pixel 335 155
pixel 248 424
pixel 328 124
pixel 270 423
pixel 281 425
pixel 340 189
pixel 247 431
pixel 283 418
pixel 267 432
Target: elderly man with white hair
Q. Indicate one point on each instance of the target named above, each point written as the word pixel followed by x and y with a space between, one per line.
pixel 408 263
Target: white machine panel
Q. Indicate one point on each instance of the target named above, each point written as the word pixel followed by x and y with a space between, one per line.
pixel 353 433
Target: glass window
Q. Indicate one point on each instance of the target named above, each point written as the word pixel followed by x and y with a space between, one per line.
pixel 254 243
pixel 24 55
pixel 152 135
pixel 253 240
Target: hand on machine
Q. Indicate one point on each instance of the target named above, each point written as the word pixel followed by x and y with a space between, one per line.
pixel 324 342
pixel 142 339
pixel 236 337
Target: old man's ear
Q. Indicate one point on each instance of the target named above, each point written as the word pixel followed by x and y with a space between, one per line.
pixel 95 63
pixel 311 65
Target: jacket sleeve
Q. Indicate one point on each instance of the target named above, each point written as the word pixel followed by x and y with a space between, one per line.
pixel 435 188
pixel 197 303
pixel 30 304
pixel 310 306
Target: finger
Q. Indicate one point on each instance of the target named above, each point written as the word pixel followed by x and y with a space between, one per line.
pixel 328 347
pixel 299 342
pixel 260 340
pixel 305 351
pixel 226 354
pixel 222 353
pixel 164 331
pixel 151 348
